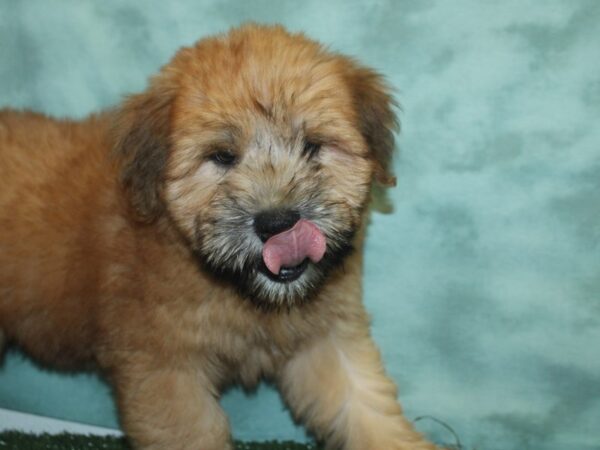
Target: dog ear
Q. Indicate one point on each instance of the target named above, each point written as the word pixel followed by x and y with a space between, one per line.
pixel 143 130
pixel 377 120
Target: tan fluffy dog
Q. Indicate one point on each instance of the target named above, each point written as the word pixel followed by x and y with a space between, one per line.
pixel 202 234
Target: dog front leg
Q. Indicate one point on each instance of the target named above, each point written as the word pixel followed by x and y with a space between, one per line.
pixel 170 409
pixel 339 388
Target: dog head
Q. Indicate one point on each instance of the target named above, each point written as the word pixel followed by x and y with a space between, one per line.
pixel 262 147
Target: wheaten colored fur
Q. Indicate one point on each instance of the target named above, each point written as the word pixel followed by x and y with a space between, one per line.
pixel 115 230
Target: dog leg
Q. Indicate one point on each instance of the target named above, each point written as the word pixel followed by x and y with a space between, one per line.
pixel 338 386
pixel 170 409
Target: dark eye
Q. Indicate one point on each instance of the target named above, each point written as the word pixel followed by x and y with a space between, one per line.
pixel 223 158
pixel 311 148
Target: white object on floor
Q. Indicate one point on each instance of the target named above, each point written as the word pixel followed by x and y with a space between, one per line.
pixel 29 423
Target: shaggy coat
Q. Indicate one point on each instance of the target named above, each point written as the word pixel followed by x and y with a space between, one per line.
pixel 127 242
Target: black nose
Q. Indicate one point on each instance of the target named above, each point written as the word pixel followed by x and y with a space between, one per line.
pixel 273 221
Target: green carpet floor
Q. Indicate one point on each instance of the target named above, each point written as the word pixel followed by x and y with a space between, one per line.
pixel 16 440
pixel 13 440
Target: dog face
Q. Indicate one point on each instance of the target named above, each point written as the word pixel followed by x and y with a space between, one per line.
pixel 261 147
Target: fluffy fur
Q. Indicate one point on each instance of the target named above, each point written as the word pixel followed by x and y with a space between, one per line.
pixel 128 245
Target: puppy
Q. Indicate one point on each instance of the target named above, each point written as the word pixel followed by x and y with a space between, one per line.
pixel 206 232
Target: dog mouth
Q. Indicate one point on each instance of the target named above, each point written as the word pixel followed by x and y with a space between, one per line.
pixel 289 268
pixel 286 255
pixel 286 274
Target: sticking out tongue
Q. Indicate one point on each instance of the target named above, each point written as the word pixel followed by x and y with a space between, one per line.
pixel 291 247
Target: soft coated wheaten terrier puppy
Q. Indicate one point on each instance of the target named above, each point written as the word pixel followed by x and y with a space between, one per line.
pixel 206 232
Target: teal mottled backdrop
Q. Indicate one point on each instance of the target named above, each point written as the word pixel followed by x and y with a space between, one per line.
pixel 484 281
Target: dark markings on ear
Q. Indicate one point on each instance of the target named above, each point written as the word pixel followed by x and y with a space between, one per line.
pixel 143 129
pixel 377 119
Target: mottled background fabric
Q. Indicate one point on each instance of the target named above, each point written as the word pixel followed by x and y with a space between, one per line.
pixel 484 280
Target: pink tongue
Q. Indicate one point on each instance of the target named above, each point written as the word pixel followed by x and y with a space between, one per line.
pixel 291 247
